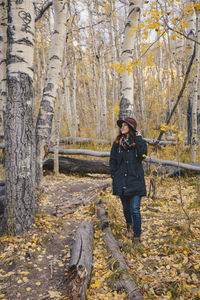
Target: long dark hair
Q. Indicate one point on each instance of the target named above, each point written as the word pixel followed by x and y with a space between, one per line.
pixel 131 135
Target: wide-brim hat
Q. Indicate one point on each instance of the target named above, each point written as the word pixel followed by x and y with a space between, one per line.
pixel 130 121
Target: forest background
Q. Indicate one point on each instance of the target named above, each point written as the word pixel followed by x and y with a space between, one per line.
pixel 72 68
pixel 90 81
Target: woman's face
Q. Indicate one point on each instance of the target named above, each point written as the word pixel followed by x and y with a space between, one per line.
pixel 124 129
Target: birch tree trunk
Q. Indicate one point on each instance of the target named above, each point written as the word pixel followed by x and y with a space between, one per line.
pixel 19 119
pixel 189 47
pixel 140 82
pixel 46 112
pixel 104 90
pixel 74 82
pixel 127 97
pixel 94 86
pixel 195 92
pixel 57 132
pixel 3 43
pixel 113 61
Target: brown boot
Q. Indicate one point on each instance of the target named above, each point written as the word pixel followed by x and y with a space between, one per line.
pixel 129 233
pixel 136 240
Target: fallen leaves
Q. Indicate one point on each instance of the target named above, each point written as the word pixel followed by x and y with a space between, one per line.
pixel 166 264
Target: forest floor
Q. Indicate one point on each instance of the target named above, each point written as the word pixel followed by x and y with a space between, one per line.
pixel 165 266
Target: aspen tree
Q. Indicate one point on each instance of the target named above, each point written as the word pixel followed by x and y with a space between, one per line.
pixel 57 131
pixel 46 112
pixel 67 96
pixel 190 30
pixel 103 89
pixel 94 83
pixel 74 79
pixel 19 119
pixel 195 91
pixel 127 97
pixel 113 61
pixel 140 79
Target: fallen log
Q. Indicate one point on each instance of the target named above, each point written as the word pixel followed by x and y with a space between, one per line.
pixel 151 160
pixel 80 263
pixel 83 140
pixel 81 152
pixel 64 209
pixel 188 166
pixel 126 281
pixel 81 166
pixel 70 140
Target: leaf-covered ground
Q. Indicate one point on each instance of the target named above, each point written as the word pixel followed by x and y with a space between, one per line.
pixel 164 266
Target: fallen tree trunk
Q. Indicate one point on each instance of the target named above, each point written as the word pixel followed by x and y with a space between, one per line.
pixel 126 281
pixel 81 152
pixel 64 209
pixel 80 263
pixel 83 140
pixel 67 165
pixel 82 166
pixel 191 167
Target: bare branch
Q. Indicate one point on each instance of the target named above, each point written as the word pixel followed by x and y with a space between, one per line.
pixel 180 93
pixel 42 11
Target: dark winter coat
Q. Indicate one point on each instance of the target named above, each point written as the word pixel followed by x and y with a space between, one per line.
pixel 126 168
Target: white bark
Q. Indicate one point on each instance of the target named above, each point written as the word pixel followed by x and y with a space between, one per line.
pixel 113 61
pixel 74 87
pixel 104 90
pixel 19 118
pixel 127 97
pixel 46 112
pixel 140 83
pixel 57 132
pixel 94 79
pixel 67 98
pixel 195 92
pixel 191 29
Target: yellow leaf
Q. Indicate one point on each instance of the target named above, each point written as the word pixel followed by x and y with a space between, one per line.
pixel 38 283
pixel 53 294
pixel 169 294
pixel 25 279
pixel 28 289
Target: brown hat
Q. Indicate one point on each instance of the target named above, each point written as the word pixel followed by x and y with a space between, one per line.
pixel 130 121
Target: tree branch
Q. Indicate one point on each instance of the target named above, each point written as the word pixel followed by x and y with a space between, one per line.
pixel 180 93
pixel 181 33
pixel 42 11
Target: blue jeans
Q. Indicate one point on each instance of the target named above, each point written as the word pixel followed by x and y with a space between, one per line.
pixel 131 209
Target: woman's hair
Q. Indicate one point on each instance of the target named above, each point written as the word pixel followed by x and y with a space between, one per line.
pixel 131 135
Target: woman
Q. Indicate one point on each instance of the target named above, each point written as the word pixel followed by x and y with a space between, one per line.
pixel 127 153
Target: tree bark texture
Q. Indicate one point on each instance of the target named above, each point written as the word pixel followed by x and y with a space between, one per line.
pixel 46 112
pixel 80 263
pixel 19 119
pixel 3 46
pixel 72 165
pixel 194 140
pixel 127 97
